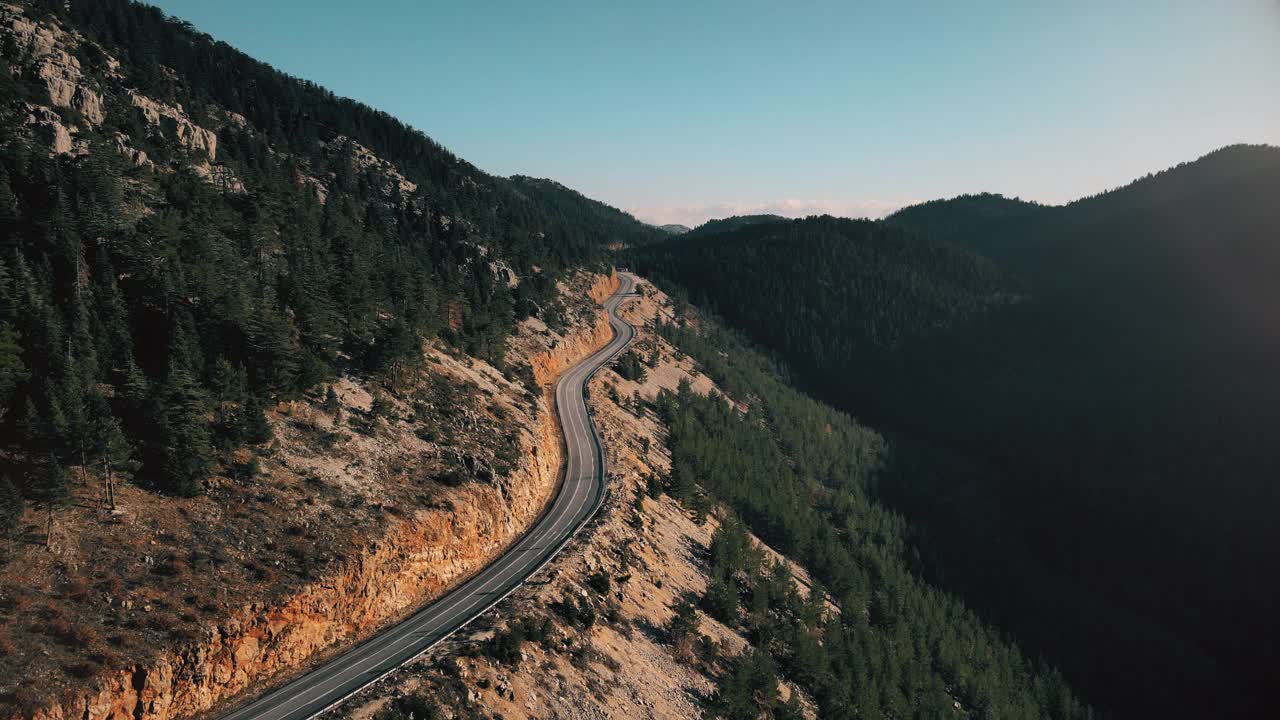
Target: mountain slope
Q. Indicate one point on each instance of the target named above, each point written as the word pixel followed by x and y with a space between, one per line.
pixel 608 226
pixel 188 224
pixel 824 290
pixel 712 227
pixel 1094 451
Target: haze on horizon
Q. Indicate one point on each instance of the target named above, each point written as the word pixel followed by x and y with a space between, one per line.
pixel 679 114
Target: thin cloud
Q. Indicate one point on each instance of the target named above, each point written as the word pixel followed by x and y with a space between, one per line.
pixel 694 215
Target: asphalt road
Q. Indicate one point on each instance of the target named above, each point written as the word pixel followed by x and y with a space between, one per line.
pixel 580 495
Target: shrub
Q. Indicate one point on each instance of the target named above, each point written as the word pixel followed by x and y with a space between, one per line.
pixel 84 635
pixel 161 622
pixel 577 614
pixel 381 407
pixel 505 646
pixel 416 707
pixel 170 566
pixel 599 581
pixel 452 477
pixel 83 670
pixel 331 403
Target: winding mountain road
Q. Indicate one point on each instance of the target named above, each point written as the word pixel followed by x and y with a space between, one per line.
pixel 581 494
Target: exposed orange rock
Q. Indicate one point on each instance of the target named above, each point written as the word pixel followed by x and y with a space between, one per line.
pixel 605 286
pixel 548 366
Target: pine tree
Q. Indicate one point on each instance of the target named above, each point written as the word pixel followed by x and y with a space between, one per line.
pixel 684 621
pixel 9 213
pixel 182 446
pixel 721 600
pixel 13 372
pixel 255 430
pixel 110 449
pixel 50 486
pixel 272 358
pixel 331 403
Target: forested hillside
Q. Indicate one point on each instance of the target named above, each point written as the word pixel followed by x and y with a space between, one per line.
pixel 831 291
pixel 719 225
pixel 1093 456
pixel 605 224
pixel 190 235
pixel 803 477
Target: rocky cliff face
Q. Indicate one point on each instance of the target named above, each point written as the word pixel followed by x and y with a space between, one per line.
pixel 172 121
pixel 44 52
pixel 417 559
pixel 548 365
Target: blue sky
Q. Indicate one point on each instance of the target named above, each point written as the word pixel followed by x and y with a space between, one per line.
pixel 680 111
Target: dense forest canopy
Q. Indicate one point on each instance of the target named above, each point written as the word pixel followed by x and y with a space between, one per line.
pixel 148 314
pixel 849 287
pixel 1096 449
pixel 734 222
pixel 801 475
pixel 611 226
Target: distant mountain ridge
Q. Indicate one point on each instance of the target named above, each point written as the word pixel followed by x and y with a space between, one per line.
pixel 1004 227
pixel 835 286
pixel 732 222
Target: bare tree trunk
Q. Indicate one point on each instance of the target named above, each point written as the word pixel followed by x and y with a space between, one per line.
pixel 48 533
pixel 109 485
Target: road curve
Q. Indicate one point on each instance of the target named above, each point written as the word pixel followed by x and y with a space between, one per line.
pixel 581 494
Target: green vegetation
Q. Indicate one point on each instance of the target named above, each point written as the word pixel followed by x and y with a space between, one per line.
pixel 505 645
pixel 568 207
pixel 631 367
pixel 828 289
pixel 1079 419
pixel 409 707
pixel 720 225
pixel 163 313
pixel 801 476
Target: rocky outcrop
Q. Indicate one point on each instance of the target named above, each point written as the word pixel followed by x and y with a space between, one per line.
pixel 43 50
pixel 219 176
pixel 418 558
pixel 603 287
pixel 137 157
pixel 61 73
pixel 173 122
pixel 40 52
pixel 548 366
pixel 47 126
pixel 365 159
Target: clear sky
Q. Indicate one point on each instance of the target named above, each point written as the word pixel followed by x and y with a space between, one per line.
pixel 680 111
